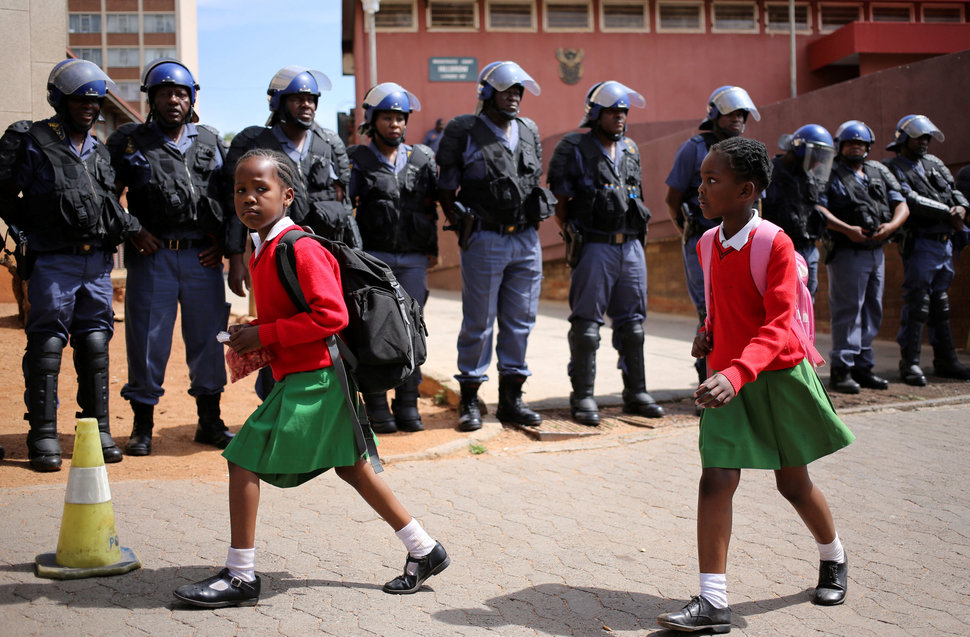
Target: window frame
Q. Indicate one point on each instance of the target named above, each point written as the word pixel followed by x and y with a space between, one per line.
pixel 127 18
pixel 409 29
pixel 153 17
pixel 959 7
pixel 136 65
pixel 533 22
pixel 129 83
pixel 887 5
pixel 773 30
pixel 860 15
pixel 476 12
pixel 590 27
pixel 701 18
pixel 755 18
pixel 647 17
pixel 89 17
pixel 80 50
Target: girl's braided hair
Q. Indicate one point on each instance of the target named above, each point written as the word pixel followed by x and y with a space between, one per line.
pixel 748 159
pixel 284 170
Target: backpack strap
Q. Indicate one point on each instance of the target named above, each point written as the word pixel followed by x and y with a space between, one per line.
pixel 705 248
pixel 286 268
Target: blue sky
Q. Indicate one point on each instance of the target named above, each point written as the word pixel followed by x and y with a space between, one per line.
pixel 243 43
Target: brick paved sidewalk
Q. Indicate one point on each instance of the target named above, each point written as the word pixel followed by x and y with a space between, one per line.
pixel 591 542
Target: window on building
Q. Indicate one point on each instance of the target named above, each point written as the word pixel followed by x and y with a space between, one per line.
pixel 776 18
pixel 84 23
pixel 942 14
pixel 91 55
pixel 154 53
pixel 159 22
pixel 835 16
pixel 396 16
pixel 122 23
pixel 683 17
pixel 130 91
pixel 892 13
pixel 569 16
pixel 735 16
pixel 123 56
pixel 510 16
pixel 625 16
pixel 453 14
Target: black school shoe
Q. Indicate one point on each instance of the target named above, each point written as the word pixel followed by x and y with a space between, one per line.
pixel 865 378
pixel 431 564
pixel 832 583
pixel 697 615
pixel 237 593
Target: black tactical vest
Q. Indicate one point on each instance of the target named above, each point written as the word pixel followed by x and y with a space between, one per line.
pixel 183 192
pixel 934 185
pixel 396 212
pixel 790 203
pixel 509 176
pixel 611 205
pixel 867 208
pixel 81 206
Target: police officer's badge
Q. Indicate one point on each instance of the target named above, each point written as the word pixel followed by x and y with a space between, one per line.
pixel 570 64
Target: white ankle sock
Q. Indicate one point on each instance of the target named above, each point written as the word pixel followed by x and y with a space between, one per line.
pixel 242 564
pixel 714 589
pixel 832 552
pixel 415 539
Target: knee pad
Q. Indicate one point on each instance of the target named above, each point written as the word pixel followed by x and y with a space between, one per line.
pixel 91 364
pixel 918 302
pixel 584 336
pixel 939 306
pixel 42 364
pixel 628 336
pixel 91 351
pixel 43 355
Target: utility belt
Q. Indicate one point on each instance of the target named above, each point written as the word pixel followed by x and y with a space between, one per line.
pixel 81 249
pixel 615 238
pixel 510 228
pixel 942 237
pixel 186 244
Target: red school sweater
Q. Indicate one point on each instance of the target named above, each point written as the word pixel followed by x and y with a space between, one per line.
pixel 752 333
pixel 297 338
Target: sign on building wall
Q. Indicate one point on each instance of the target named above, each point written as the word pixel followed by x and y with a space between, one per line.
pixel 457 69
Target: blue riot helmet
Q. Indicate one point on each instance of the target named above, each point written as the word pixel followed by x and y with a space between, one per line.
pixel 911 127
pixel 294 80
pixel 608 94
pixel 168 72
pixel 76 78
pixel 813 145
pixel 387 96
pixel 499 76
pixel 727 99
pixel 854 130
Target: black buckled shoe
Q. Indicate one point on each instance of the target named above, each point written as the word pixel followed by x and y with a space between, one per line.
pixel 470 408
pixel 842 382
pixel 231 591
pixel 431 564
pixel 832 583
pixel 865 378
pixel 44 452
pixel 953 369
pixel 911 374
pixel 697 615
pixel 584 410
pixel 644 406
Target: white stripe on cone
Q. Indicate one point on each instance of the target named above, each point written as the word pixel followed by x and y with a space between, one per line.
pixel 87 485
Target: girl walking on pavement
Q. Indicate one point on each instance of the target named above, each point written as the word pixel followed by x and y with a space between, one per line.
pixel 304 426
pixel 765 407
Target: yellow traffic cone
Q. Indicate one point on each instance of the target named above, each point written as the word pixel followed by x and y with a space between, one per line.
pixel 88 545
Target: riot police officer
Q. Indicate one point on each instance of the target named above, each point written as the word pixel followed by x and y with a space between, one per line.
pixel 727 113
pixel 491 164
pixel 793 199
pixel 596 177
pixel 320 160
pixel 937 211
pixel 866 208
pixel 394 186
pixel 57 197
pixel 173 171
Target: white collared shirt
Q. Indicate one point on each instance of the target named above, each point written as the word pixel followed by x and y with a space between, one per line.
pixel 740 238
pixel 277 229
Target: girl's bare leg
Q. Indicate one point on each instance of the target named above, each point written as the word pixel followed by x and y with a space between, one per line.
pixel 376 493
pixel 714 517
pixel 796 486
pixel 243 506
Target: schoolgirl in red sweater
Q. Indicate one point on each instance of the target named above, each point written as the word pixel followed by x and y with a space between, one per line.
pixel 304 426
pixel 764 407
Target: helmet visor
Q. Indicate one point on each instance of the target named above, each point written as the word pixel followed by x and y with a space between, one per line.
pixel 616 95
pixel 378 94
pixel 735 98
pixel 921 125
pixel 818 161
pixel 507 74
pixel 75 74
pixel 281 81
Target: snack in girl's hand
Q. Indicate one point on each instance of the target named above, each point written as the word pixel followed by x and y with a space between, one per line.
pixel 242 365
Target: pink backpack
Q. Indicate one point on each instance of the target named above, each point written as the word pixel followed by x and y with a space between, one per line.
pixel 803 317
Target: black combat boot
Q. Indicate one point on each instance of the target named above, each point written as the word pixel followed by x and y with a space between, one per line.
pixel 405 404
pixel 628 341
pixel 510 406
pixel 91 364
pixel 42 363
pixel 379 414
pixel 910 338
pixel 840 380
pixel 584 340
pixel 945 361
pixel 140 441
pixel 469 414
pixel 211 429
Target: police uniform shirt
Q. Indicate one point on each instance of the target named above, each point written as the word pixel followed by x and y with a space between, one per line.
pixel 576 172
pixel 358 185
pixel 839 196
pixel 472 161
pixel 136 171
pixel 685 174
pixel 35 175
pixel 295 153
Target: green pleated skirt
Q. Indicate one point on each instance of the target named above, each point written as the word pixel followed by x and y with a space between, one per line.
pixel 303 428
pixel 783 419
